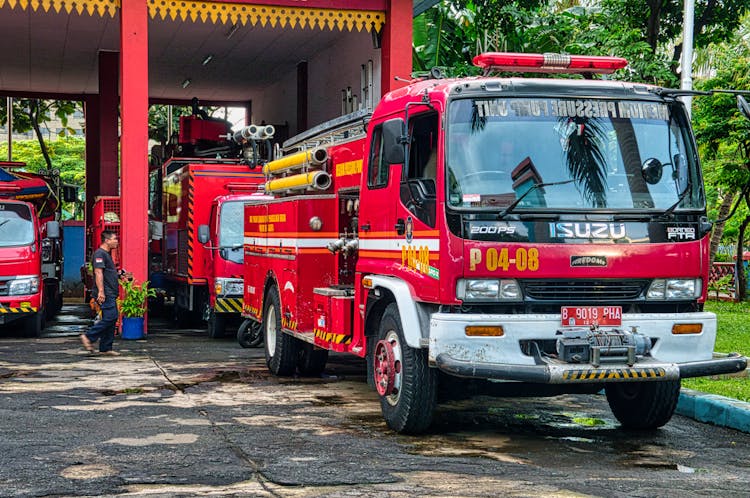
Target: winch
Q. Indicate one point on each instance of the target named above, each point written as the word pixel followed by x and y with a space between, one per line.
pixel 592 345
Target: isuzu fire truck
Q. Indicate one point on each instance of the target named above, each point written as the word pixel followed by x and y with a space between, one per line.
pixel 30 248
pixel 547 234
pixel 203 200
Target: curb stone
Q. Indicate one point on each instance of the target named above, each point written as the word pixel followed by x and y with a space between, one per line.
pixel 714 409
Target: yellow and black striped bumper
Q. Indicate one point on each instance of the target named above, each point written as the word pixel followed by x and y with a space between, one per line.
pixel 9 314
pixel 228 305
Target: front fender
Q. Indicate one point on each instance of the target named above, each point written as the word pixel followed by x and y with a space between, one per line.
pixel 407 307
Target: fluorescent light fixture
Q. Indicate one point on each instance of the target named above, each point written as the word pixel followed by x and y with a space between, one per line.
pixel 207 59
pixel 186 82
pixel 232 30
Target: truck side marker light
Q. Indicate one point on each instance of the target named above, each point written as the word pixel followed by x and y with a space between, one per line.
pixel 367 283
pixel 687 328
pixel 484 331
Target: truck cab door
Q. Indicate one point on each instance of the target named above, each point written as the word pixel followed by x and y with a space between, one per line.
pixel 398 210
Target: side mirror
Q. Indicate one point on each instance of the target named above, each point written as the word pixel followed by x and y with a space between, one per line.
pixel 743 106
pixel 69 193
pixel 203 234
pixel 53 229
pixel 651 170
pixel 393 147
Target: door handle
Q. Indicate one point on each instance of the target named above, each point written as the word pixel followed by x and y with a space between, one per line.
pixel 400 226
pixel 365 227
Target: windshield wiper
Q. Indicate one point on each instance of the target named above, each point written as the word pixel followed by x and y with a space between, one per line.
pixel 667 214
pixel 505 212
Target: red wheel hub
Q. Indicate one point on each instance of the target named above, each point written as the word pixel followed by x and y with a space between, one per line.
pixel 385 368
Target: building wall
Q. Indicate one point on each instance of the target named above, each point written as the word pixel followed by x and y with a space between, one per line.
pixel 331 71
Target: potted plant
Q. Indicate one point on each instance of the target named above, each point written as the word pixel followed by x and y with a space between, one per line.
pixel 133 306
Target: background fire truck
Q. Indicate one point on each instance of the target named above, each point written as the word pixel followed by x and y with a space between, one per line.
pixel 540 236
pixel 30 247
pixel 207 179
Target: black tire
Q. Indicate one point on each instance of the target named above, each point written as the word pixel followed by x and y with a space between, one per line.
pixel 312 360
pixel 217 324
pixel 281 348
pixel 249 334
pixel 54 305
pixel 34 325
pixel 643 405
pixel 410 406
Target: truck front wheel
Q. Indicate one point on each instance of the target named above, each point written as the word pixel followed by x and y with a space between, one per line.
pixel 249 334
pixel 34 324
pixel 643 405
pixel 406 384
pixel 217 324
pixel 281 348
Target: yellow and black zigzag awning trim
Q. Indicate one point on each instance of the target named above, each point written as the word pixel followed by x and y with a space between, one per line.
pixel 273 16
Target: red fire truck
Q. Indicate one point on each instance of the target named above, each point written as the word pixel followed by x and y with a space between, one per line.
pixel 543 233
pixel 30 248
pixel 204 204
pixel 203 200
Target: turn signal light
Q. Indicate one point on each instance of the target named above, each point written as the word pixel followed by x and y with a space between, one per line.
pixel 484 331
pixel 367 283
pixel 687 328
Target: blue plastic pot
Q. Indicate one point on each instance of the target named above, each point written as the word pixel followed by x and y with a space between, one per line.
pixel 132 327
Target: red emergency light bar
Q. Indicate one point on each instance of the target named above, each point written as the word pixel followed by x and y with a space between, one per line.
pixel 548 63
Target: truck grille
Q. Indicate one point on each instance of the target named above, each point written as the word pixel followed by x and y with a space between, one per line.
pixel 583 290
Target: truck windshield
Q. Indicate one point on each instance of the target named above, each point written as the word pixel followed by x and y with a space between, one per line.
pixel 231 230
pixel 598 154
pixel 16 226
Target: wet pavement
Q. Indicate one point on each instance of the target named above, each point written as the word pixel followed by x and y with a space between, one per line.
pixel 179 414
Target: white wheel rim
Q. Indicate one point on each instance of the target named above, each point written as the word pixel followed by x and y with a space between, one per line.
pixel 398 363
pixel 270 330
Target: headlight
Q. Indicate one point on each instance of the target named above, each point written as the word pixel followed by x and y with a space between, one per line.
pixel 21 286
pixel 676 289
pixel 228 286
pixel 488 290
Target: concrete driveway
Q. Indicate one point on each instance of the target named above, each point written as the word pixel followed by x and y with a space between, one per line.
pixel 181 415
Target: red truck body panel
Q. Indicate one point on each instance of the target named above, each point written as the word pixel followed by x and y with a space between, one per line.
pixel 189 191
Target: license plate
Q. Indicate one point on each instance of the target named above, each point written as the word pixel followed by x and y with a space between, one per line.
pixel 577 316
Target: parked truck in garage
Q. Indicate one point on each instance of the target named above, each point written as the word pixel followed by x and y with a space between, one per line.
pixel 30 248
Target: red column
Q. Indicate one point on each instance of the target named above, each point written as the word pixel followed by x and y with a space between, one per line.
pixel 134 138
pixel 395 45
pixel 91 115
pixel 109 105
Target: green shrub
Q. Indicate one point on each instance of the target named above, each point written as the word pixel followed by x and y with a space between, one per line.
pixel 133 304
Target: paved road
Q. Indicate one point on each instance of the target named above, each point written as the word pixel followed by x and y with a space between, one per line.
pixel 181 415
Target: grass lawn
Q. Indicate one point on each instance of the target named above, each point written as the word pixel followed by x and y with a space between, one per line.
pixel 733 336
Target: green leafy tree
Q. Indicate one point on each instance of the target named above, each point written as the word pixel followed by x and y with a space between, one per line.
pixel 68 154
pixel 724 138
pixel 33 114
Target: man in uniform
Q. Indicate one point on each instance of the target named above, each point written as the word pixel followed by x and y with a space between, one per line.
pixel 105 293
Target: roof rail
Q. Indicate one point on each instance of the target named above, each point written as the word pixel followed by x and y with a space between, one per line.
pixel 343 128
